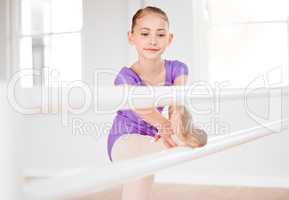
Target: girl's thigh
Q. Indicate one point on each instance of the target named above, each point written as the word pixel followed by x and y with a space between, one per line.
pixel 134 145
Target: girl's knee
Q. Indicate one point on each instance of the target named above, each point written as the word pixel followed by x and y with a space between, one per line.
pixel 135 145
pixel 126 147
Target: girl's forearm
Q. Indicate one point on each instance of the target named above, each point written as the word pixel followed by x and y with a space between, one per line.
pixel 153 117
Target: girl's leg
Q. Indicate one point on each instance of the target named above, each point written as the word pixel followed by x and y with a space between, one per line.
pixel 134 145
pixel 131 146
pixel 138 189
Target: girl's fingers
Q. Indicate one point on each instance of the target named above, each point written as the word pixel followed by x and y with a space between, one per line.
pixel 168 142
pixel 167 145
pixel 167 139
pixel 171 142
pixel 157 137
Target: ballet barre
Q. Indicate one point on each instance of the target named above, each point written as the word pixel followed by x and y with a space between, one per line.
pixel 92 179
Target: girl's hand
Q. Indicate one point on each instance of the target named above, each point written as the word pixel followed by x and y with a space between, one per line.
pixel 157 137
pixel 177 119
pixel 165 133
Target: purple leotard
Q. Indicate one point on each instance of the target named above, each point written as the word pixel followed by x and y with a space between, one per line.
pixel 127 121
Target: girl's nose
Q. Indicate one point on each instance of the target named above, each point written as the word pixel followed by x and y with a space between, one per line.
pixel 153 40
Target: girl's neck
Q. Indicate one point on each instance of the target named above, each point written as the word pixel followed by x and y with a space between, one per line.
pixel 148 66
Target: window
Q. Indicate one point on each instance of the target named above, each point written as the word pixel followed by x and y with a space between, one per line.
pixel 50 40
pixel 247 40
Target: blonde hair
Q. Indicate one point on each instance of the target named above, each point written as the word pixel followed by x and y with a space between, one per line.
pixel 149 9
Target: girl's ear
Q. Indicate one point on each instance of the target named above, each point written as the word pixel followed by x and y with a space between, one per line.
pixel 171 37
pixel 130 37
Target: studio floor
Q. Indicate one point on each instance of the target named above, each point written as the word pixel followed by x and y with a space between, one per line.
pixel 199 192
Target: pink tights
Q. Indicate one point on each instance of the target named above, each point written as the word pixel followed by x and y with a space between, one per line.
pixel 131 146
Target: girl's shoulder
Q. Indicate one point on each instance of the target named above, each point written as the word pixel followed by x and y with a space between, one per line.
pixel 177 68
pixel 175 62
pixel 126 75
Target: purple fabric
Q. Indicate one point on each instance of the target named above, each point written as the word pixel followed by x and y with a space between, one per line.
pixel 127 121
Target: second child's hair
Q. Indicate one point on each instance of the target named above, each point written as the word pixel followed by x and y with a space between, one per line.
pixel 149 9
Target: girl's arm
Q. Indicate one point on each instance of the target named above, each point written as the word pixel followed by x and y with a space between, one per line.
pixel 155 118
pixel 180 80
pixel 178 115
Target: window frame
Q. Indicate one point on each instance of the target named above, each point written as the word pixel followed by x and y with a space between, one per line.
pixel 16 36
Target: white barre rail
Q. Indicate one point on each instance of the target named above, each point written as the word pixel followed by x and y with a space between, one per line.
pixel 116 97
pixel 90 180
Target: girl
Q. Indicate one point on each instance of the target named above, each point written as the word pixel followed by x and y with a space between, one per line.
pixel 132 130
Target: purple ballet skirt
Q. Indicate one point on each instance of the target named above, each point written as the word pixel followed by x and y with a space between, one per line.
pixel 127 121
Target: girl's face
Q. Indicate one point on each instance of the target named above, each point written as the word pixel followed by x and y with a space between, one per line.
pixel 150 36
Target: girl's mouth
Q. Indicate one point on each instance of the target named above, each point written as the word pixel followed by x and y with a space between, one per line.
pixel 151 49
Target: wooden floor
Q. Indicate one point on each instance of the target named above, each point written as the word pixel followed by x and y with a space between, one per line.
pixel 197 192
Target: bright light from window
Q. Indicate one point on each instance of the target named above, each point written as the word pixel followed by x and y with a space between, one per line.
pixel 241 52
pixel 26 17
pixel 26 60
pixel 66 15
pixel 51 37
pixel 63 54
pixel 222 11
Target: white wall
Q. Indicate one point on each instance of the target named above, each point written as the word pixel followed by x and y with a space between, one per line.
pixel 3 38
pixel 9 162
pixel 104 37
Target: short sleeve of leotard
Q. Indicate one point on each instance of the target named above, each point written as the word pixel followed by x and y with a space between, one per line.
pixel 125 76
pixel 179 68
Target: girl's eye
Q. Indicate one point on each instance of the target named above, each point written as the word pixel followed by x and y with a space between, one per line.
pixel 159 35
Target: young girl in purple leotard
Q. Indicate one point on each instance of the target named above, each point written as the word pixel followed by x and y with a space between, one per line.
pixel 133 130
